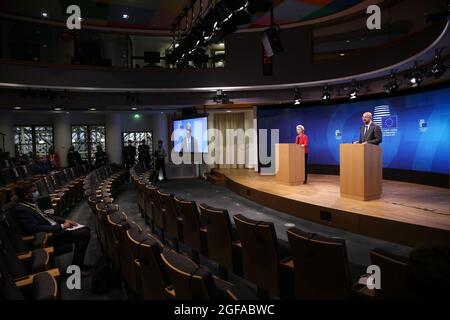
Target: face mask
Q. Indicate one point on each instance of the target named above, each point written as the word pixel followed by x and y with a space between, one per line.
pixel 35 196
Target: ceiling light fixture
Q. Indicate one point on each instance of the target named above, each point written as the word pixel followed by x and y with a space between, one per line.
pixel 125 16
pixel 297 97
pixel 437 68
pixel 393 84
pixel 326 95
pixel 354 91
pixel 416 77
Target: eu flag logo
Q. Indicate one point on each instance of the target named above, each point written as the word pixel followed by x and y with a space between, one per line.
pixel 389 122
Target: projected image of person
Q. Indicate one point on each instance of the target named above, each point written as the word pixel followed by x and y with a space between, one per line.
pixel 189 143
pixel 302 139
pixel 370 133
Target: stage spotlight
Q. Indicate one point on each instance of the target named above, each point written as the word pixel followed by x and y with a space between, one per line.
pixel 326 95
pixel 297 97
pixel 437 68
pixel 392 85
pixel 354 90
pixel 221 97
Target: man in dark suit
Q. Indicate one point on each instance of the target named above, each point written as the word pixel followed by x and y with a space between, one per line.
pixel 144 153
pixel 33 220
pixel 189 143
pixel 129 155
pixel 370 133
pixel 101 159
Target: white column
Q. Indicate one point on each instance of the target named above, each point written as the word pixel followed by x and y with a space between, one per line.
pixel 159 127
pixel 6 128
pixel 113 138
pixel 254 147
pixel 63 136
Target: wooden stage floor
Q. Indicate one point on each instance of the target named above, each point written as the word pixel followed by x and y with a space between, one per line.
pixel 407 213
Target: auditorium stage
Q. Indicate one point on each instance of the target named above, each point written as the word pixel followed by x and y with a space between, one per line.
pixel 408 214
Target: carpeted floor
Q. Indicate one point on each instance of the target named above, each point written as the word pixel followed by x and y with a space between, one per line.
pixel 203 191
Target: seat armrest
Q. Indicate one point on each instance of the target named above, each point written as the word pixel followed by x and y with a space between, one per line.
pixel 287 263
pixel 25 256
pixel 170 292
pixel 27 281
pixel 237 243
pixel 239 292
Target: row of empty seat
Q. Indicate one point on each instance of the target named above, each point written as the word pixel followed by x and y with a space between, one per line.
pixel 150 269
pixel 309 266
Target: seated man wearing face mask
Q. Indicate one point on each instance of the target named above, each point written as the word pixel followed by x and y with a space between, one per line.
pixel 32 220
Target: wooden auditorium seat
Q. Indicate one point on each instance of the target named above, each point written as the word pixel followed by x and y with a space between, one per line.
pixel 173 222
pixel 194 231
pixel 40 286
pixel 262 254
pixel 394 282
pixel 157 213
pixel 152 275
pixel 221 238
pixel 320 265
pixel 191 281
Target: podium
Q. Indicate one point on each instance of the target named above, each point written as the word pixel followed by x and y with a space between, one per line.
pixel 361 171
pixel 290 162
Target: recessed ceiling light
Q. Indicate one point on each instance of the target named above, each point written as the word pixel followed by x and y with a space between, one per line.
pixel 44 14
pixel 92 109
pixel 228 111
pixel 58 109
pixel 17 108
pixel 342 54
pixel 348 41
pixel 134 108
pixel 125 16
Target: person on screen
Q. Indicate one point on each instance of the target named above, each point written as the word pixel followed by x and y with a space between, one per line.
pixel 189 142
pixel 370 133
pixel 160 156
pixel 302 139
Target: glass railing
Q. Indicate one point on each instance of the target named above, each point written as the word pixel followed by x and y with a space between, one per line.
pixel 46 44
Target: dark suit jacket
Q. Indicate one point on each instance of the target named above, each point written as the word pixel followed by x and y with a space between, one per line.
pixel 373 135
pixel 194 145
pixel 31 221
pixel 129 154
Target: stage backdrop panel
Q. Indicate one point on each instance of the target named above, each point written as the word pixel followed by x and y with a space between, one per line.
pixel 415 129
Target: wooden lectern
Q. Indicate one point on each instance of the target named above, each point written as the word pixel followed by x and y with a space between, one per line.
pixel 290 162
pixel 361 171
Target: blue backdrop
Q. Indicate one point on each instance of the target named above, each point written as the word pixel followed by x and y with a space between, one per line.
pixel 416 130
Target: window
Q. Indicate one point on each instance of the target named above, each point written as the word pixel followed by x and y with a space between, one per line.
pixel 136 138
pixel 33 140
pixel 80 141
pixel 43 139
pixel 86 138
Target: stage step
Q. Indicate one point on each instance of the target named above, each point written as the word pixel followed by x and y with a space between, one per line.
pixel 216 178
